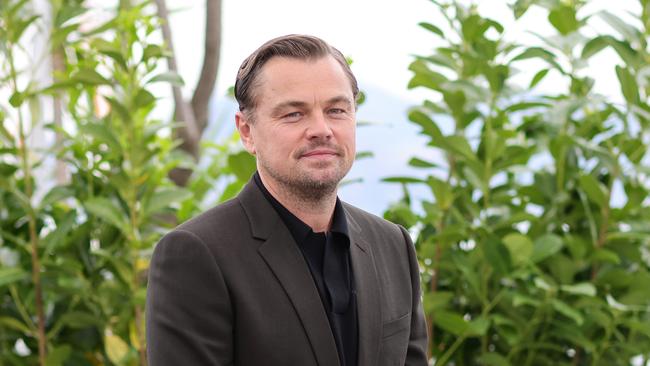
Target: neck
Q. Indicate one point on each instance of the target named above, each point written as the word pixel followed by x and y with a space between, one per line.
pixel 315 210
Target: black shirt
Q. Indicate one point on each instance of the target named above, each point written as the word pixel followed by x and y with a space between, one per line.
pixel 328 258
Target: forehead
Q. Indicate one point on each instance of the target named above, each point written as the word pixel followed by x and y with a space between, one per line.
pixel 304 80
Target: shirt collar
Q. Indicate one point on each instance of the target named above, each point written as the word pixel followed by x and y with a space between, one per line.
pixel 299 230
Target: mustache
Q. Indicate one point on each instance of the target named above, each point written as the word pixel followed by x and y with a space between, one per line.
pixel 319 145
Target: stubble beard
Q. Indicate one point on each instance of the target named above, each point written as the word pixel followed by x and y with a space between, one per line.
pixel 302 186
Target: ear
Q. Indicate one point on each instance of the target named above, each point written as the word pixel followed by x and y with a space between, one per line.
pixel 245 134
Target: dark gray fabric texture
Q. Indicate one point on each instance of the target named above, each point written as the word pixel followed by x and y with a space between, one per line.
pixel 231 287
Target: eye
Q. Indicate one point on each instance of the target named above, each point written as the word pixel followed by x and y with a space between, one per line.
pixel 293 116
pixel 337 110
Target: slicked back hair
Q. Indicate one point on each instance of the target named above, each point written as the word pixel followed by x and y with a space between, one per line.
pixel 296 46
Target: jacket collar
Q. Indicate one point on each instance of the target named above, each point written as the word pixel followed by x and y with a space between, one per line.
pixel 285 260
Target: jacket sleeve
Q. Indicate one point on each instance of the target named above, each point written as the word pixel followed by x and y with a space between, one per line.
pixel 416 354
pixel 188 311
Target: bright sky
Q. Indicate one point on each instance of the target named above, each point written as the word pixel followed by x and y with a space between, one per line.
pixel 380 36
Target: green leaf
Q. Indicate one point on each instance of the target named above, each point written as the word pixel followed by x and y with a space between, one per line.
pixel 434 301
pixel 231 190
pixel 455 97
pixel 80 319
pixel 67 12
pixel 420 163
pixel 19 28
pixel 16 99
pixel 57 237
pixel 15 324
pixel 594 46
pixel 363 155
pixel 425 76
pixel 169 77
pixel 585 288
pixel 432 28
pixel 539 76
pixel 451 322
pixel 402 180
pixel 164 198
pixel 103 134
pixel 116 349
pixel 566 310
pixel 243 165
pixel 541 53
pixel 545 246
pixel 563 18
pixel 605 255
pixel 120 109
pixel 429 127
pixel 629 87
pixel 108 25
pixel 497 255
pixel 526 105
pixel 628 31
pixel 478 327
pixel 58 355
pixel 520 7
pixel 143 98
pixel 111 50
pixel 108 211
pixel 496 77
pixel 630 56
pixel 520 299
pixel 595 190
pixel 7 170
pixel 520 247
pixel 90 77
pixel 474 179
pixel 154 51
pixel 11 275
pixel 459 145
pixel 493 359
pixel 55 195
pixel 541 283
pixel 442 191
pixel 361 98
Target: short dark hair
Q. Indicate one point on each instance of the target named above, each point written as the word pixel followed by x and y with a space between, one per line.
pixel 296 46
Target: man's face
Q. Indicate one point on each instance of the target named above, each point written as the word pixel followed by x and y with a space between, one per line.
pixel 303 132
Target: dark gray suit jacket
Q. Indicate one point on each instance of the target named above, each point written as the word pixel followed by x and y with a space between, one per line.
pixel 231 287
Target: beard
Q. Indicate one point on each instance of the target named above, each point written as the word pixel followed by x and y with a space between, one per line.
pixel 309 183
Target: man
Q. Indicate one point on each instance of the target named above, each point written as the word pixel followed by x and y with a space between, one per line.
pixel 287 274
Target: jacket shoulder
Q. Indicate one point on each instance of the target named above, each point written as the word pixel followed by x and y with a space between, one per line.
pixel 219 221
pixel 370 222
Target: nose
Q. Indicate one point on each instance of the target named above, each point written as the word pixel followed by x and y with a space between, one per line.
pixel 319 127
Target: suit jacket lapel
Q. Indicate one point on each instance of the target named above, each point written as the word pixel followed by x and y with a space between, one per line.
pixel 282 255
pixel 367 288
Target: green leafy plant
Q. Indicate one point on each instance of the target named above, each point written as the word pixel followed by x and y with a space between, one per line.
pixel 74 253
pixel 534 246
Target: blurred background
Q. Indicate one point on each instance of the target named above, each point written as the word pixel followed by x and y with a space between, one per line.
pixel 509 137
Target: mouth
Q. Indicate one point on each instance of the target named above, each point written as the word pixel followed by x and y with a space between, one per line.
pixel 319 153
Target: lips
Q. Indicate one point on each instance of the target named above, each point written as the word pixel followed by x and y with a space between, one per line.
pixel 319 152
pixel 316 151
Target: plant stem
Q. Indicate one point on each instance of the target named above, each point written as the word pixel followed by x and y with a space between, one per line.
pixel 21 308
pixel 450 351
pixel 33 234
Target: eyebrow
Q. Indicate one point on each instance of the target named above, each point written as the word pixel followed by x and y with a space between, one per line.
pixel 291 103
pixel 300 104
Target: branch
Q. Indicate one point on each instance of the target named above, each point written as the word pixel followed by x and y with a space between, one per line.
pixel 188 133
pixel 211 56
pixel 58 66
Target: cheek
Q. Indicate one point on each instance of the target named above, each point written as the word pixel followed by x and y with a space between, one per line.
pixel 349 138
